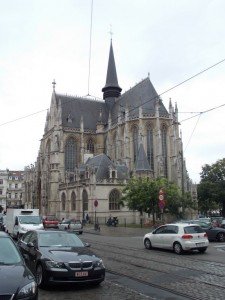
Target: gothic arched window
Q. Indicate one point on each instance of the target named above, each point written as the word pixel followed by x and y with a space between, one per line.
pixel 135 142
pixel 70 155
pixel 90 146
pixel 63 201
pixel 164 150
pixel 85 201
pixel 114 147
pixel 150 153
pixel 114 198
pixel 73 201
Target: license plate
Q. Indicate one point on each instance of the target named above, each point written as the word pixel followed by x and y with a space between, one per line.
pixel 81 274
pixel 200 244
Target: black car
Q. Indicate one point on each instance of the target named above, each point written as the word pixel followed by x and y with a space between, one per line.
pixel 60 257
pixel 16 280
pixel 214 233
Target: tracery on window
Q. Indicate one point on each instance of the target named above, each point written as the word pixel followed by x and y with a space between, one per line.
pixel 150 151
pixel 63 201
pixel 73 201
pixel 90 146
pixel 114 198
pixel 135 143
pixel 164 150
pixel 70 155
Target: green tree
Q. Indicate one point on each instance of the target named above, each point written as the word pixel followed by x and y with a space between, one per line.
pixel 211 189
pixel 142 194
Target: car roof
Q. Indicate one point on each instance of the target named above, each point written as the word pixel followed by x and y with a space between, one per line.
pixel 182 224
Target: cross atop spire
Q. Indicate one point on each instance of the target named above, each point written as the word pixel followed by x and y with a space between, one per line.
pixel 53 84
pixel 110 31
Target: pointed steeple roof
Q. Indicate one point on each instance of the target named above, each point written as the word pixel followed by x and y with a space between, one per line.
pixel 142 163
pixel 111 88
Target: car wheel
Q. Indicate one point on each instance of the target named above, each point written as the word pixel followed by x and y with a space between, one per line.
pixel 202 250
pixel 80 232
pixel 148 244
pixel 177 248
pixel 40 276
pixel 220 237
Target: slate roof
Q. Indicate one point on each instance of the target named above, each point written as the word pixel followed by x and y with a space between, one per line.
pixel 143 94
pixel 75 107
pixel 101 164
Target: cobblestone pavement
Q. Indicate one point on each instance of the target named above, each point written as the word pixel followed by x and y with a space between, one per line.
pixel 106 291
pixel 202 275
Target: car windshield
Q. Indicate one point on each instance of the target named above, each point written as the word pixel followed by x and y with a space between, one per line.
pixel 29 219
pixel 59 239
pixel 9 254
pixel 193 229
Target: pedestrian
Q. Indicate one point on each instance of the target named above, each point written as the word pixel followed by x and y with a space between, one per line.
pixel 87 218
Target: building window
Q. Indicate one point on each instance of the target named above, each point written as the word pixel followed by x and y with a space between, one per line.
pixel 9 195
pixel 16 195
pixel 73 201
pixel 0 192
pixel 70 155
pixel 114 198
pixel 135 142
pixel 150 153
pixel 85 201
pixel 164 151
pixel 90 146
pixel 1 181
pixel 16 185
pixel 63 200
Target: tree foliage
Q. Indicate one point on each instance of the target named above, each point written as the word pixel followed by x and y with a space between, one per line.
pixel 211 190
pixel 142 194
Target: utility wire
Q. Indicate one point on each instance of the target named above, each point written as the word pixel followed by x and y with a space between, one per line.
pixel 166 91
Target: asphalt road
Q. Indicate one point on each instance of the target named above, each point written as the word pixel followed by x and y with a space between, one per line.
pixel 136 273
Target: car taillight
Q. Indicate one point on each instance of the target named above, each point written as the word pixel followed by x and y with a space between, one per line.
pixel 187 236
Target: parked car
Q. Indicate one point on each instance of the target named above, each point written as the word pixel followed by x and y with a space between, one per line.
pixel 50 222
pixel 16 280
pixel 178 237
pixel 71 225
pixel 59 257
pixel 214 233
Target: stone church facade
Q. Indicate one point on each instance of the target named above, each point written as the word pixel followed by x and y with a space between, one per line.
pixel 91 148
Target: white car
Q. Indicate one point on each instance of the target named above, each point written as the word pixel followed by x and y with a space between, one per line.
pixel 71 225
pixel 177 237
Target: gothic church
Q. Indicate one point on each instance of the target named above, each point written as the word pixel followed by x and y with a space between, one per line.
pixel 91 148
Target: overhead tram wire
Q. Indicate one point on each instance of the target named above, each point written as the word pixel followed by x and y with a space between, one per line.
pixel 175 86
pixel 24 117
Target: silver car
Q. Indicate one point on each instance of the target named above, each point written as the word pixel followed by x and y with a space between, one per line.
pixel 178 237
pixel 71 225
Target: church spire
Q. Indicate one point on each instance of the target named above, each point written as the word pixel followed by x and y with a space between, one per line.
pixel 111 88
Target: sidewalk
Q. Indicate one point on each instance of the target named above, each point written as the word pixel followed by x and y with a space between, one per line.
pixel 116 231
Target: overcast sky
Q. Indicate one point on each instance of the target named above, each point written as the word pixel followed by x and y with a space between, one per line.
pixel 173 40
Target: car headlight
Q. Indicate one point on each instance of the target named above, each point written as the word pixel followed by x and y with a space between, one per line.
pixel 24 228
pixel 99 264
pixel 28 290
pixel 54 264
